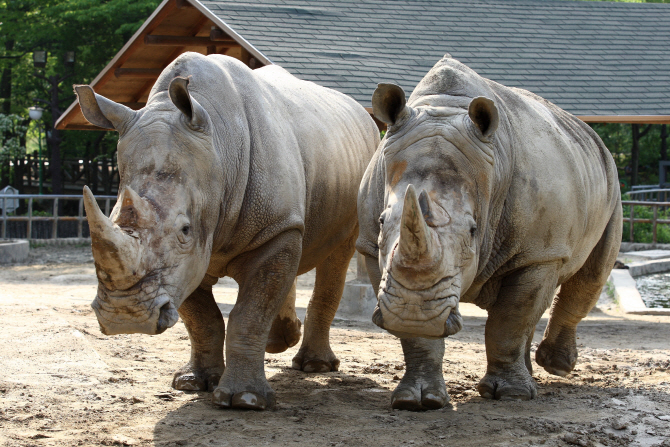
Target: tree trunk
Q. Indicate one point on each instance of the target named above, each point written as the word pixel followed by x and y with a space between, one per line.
pixel 664 142
pixel 6 82
pixel 635 154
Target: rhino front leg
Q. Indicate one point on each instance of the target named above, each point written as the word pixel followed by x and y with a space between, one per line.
pixel 265 276
pixel 285 331
pixel 521 301
pixel 422 387
pixel 315 354
pixel 206 330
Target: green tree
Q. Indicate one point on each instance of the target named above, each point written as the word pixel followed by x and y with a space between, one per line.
pixel 94 29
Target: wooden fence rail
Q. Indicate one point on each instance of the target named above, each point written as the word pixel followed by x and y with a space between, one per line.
pixel 109 202
pixel 653 221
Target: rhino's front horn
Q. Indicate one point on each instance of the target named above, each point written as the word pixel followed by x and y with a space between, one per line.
pixel 117 254
pixel 417 247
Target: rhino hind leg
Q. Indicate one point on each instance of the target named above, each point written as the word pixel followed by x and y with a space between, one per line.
pixel 557 352
pixel 285 331
pixel 315 354
pixel 206 330
pixel 510 326
pixel 422 387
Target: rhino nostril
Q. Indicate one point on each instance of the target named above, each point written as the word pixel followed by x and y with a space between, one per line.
pixel 164 318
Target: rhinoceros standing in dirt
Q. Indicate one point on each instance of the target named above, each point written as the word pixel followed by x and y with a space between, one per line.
pixel 490 195
pixel 229 172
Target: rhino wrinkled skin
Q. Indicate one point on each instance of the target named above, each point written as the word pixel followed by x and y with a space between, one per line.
pixel 229 172
pixel 484 194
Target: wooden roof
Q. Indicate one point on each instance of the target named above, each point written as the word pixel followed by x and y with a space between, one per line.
pixel 175 27
pixel 602 61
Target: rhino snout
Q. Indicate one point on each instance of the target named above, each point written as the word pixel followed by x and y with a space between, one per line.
pixel 129 315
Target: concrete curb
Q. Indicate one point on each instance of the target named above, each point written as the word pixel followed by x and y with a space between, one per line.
pixel 626 293
pixel 61 241
pixel 13 251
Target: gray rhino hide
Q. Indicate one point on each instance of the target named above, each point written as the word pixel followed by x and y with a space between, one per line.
pixel 547 209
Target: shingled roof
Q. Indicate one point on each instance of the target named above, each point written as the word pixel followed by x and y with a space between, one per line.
pixel 591 58
pixel 602 61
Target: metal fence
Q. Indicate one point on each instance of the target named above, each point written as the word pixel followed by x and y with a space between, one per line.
pixel 650 194
pixel 48 221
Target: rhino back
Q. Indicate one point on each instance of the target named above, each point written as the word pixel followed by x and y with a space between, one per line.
pixel 293 153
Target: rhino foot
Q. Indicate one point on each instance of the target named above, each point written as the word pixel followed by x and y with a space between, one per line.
pixel 227 397
pixel 313 361
pixel 418 395
pixel 508 386
pixel 190 379
pixel 556 359
pixel 285 333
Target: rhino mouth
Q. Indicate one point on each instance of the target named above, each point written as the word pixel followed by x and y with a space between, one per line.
pixel 134 311
pixel 430 313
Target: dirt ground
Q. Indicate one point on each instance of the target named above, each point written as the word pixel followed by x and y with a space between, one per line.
pixel 66 384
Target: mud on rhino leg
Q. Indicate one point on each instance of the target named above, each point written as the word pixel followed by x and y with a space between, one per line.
pixel 521 301
pixel 422 387
pixel 265 276
pixel 315 354
pixel 557 353
pixel 285 331
pixel 206 330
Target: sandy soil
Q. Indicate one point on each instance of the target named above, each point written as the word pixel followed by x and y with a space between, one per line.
pixel 65 384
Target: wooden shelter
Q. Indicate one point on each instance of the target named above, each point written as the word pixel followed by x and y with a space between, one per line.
pixel 602 61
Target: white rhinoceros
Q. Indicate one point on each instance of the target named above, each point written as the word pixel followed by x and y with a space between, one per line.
pixel 229 172
pixel 490 195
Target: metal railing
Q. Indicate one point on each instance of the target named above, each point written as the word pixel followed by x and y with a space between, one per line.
pixel 109 201
pixel 650 194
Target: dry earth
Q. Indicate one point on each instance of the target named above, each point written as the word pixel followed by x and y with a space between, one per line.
pixel 65 384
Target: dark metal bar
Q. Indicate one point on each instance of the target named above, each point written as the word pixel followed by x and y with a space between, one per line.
pixel 632 220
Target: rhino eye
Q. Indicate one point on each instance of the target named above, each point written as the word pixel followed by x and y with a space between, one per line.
pixel 473 230
pixel 185 229
pixel 381 220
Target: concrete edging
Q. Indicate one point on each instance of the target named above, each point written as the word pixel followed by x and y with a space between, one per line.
pixel 14 250
pixel 626 293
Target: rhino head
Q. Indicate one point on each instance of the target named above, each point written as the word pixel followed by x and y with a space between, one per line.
pixel 438 159
pixel 154 249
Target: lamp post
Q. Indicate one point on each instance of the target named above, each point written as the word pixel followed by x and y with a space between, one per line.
pixel 35 114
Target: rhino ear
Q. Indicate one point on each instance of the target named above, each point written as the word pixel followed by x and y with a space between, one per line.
pixel 388 103
pixel 484 114
pixel 195 114
pixel 101 111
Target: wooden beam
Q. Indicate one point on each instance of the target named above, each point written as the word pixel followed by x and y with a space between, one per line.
pixel 187 41
pixel 623 119
pixel 181 4
pixel 134 105
pixel 144 73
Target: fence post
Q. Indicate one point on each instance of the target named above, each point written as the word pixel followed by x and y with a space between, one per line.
pixel 4 217
pixel 54 227
pixel 29 230
pixel 107 207
pixel 654 225
pixel 80 220
pixel 632 210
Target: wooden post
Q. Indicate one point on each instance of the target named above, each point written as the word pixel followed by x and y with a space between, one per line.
pixel 632 210
pixel 654 224
pixel 80 221
pixel 54 224
pixel 4 217
pixel 29 230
